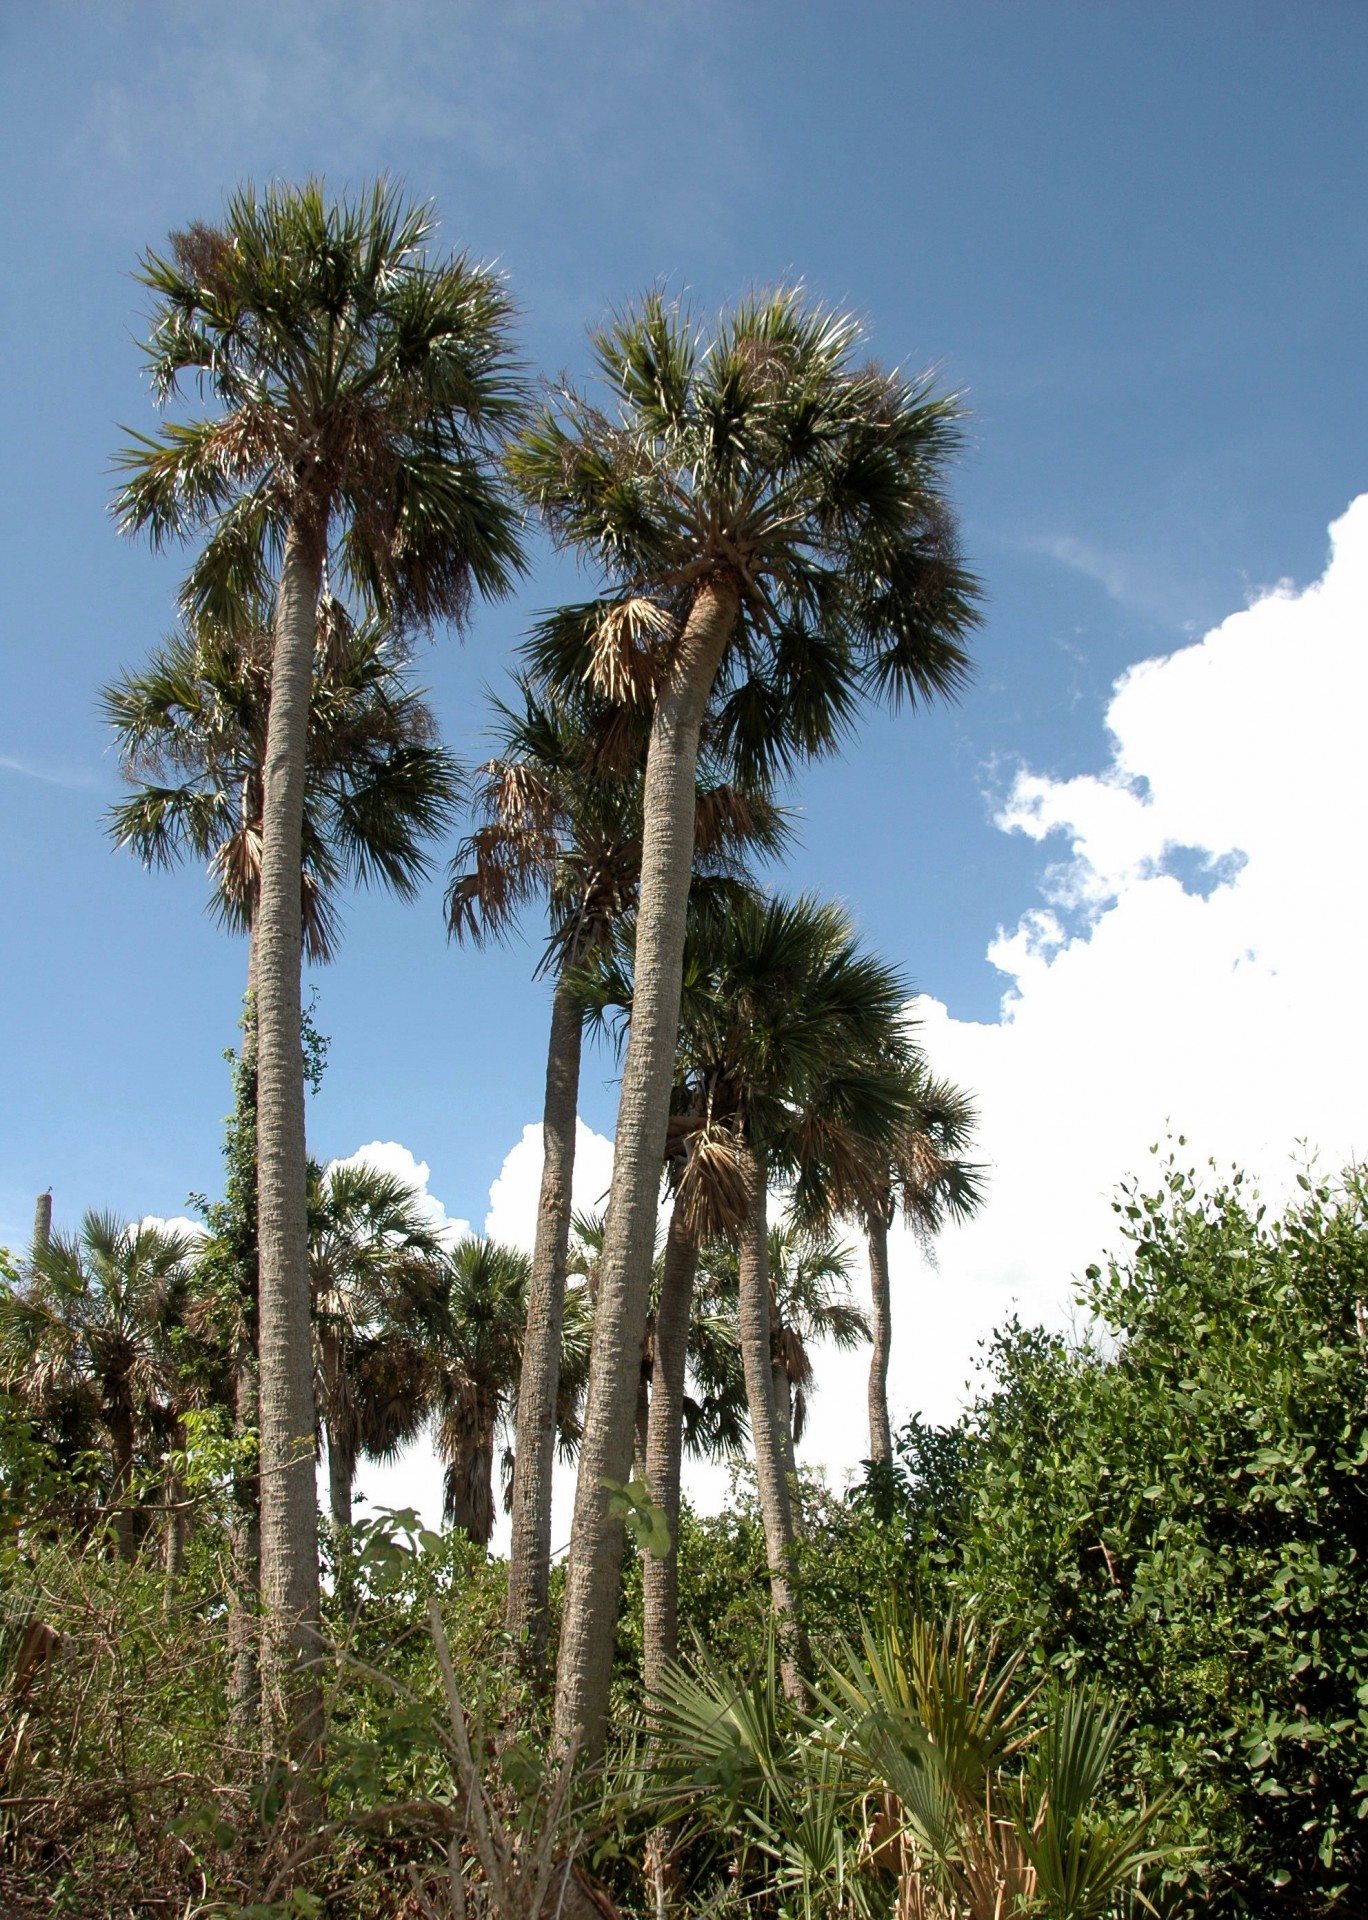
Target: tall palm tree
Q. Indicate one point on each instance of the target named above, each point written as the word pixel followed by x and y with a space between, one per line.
pixel 562 819
pixel 364 391
pixel 927 1181
pixel 92 1327
pixel 792 1063
pixel 769 521
pixel 191 729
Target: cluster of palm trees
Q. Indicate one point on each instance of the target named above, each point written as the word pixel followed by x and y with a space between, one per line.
pixel 764 516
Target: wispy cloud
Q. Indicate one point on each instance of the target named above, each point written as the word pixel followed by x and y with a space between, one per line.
pixel 76 780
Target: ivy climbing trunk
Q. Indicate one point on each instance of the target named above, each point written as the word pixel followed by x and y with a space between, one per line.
pixel 292 1693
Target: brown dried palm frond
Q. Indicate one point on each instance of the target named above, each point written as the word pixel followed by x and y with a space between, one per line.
pixel 711 1189
pixel 628 650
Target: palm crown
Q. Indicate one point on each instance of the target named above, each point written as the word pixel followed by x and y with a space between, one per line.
pixel 357 378
pixel 768 455
pixel 191 729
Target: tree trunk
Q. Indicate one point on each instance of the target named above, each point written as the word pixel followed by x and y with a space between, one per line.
pixel 244 1553
pixel 244 1526
pixel 341 1473
pixel 42 1222
pixel 534 1445
pixel 664 1447
pixel 776 1505
pixel 121 1482
pixel 880 1434
pixel 470 1476
pixel 292 1695
pixel 641 1424
pixel 584 1668
pixel 783 1414
pixel 173 1530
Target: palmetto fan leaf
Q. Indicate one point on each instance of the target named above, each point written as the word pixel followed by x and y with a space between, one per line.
pixel 379 784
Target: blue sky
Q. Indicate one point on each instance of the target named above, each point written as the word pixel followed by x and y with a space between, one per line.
pixel 1132 236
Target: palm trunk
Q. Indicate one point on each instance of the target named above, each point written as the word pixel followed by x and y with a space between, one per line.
pixel 584 1668
pixel 293 1701
pixel 534 1445
pixel 776 1505
pixel 341 1473
pixel 664 1447
pixel 42 1222
pixel 471 1474
pixel 121 1482
pixel 880 1434
pixel 173 1531
pixel 783 1414
pixel 641 1424
pixel 244 1526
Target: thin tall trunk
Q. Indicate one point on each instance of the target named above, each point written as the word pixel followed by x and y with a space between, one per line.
pixel 783 1414
pixel 292 1695
pixel 42 1222
pixel 641 1423
pixel 880 1434
pixel 664 1447
pixel 244 1526
pixel 584 1668
pixel 173 1530
pixel 534 1446
pixel 121 1482
pixel 341 1473
pixel 776 1505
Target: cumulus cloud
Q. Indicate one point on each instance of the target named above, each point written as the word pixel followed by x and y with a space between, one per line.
pixel 512 1215
pixel 1195 965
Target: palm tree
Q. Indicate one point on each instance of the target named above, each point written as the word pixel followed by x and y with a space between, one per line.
pixel 927 1181
pixel 561 807
pixel 191 730
pixel 91 1329
pixel 369 1247
pixel 792 1063
pixel 473 1316
pixel 769 521
pixel 364 391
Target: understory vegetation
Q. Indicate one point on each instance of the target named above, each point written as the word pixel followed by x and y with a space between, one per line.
pixel 1096 1649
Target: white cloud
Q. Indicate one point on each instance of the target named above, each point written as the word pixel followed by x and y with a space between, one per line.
pixel 512 1215
pixel 1232 1013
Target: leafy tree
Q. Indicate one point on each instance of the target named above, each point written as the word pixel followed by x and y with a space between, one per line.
pixel 363 391
pixel 369 1245
pixel 1178 1508
pixel 769 521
